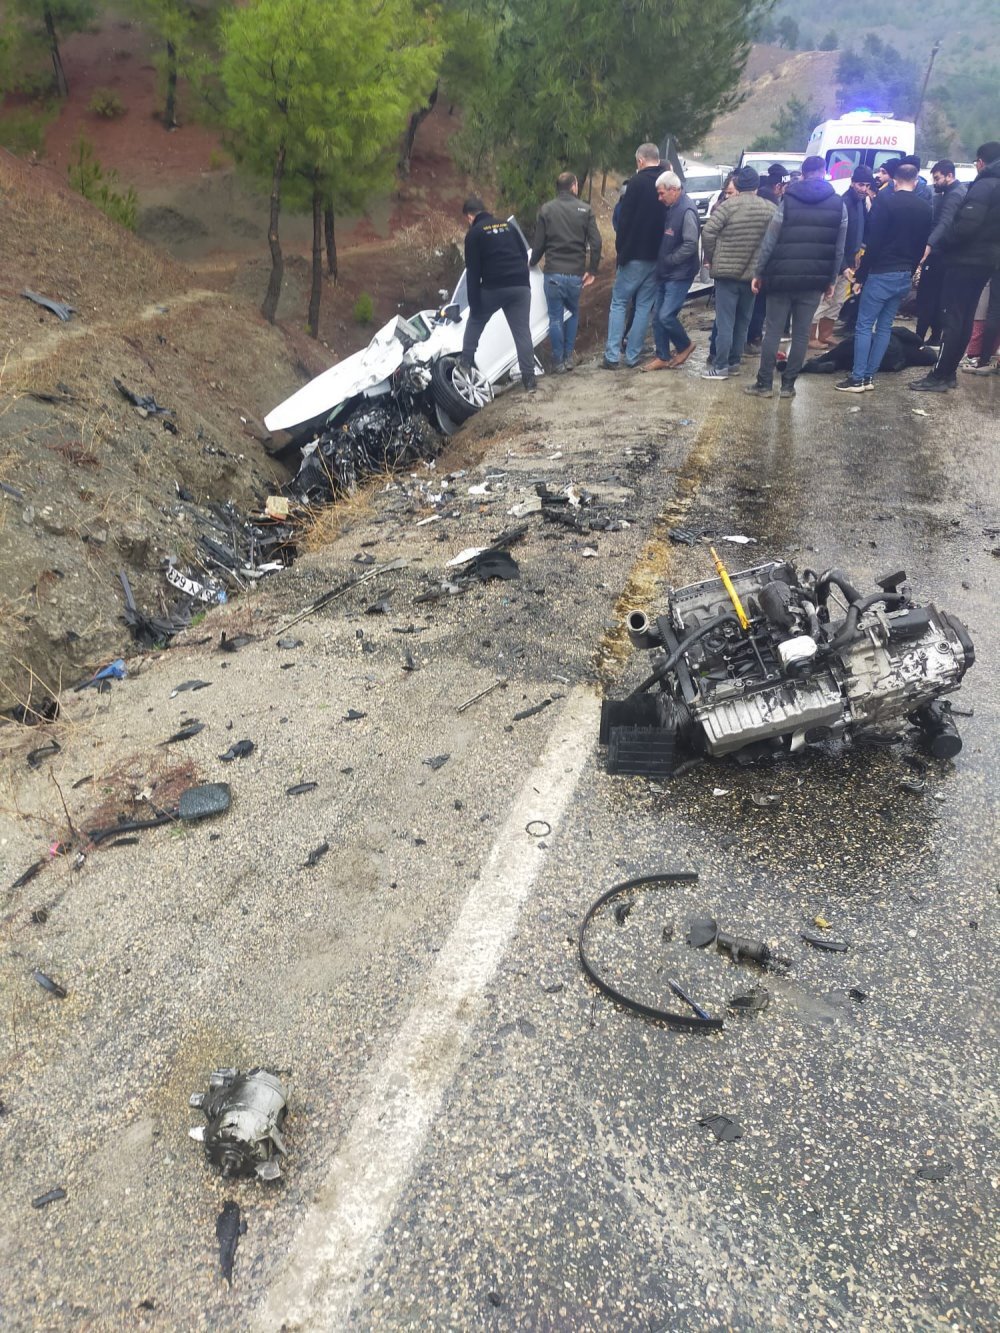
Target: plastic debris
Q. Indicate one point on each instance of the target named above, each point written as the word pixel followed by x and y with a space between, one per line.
pixel 288 644
pixel 681 537
pixel 46 983
pixel 229 1227
pixel 725 1129
pixel 192 728
pixel 353 715
pixel 316 855
pixel 437 761
pixel 238 750
pixel 531 712
pixel 762 802
pixel 750 1001
pixel 37 757
pixel 115 670
pixel 245 1113
pixel 234 644
pixel 59 308
pixel 50 1196
pixel 301 788
pixel 201 802
pixel 738 539
pixel 940 1172
pixel 538 828
pixel 683 995
pixel 702 931
pixel 821 922
pixel 189 685
pixel 819 942
pixel 144 401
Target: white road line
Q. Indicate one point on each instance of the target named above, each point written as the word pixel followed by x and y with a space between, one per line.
pixel 338 1236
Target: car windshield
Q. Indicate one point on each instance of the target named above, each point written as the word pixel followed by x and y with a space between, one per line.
pixel 703 184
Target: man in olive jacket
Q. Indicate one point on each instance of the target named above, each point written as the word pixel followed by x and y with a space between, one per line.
pixel 731 239
pixel 566 230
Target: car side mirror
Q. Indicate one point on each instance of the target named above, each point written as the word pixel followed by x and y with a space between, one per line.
pixel 452 313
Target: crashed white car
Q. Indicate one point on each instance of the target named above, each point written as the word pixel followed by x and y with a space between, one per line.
pixel 415 361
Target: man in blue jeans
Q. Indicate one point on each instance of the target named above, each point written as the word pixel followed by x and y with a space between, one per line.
pixel 675 272
pixel 566 230
pixel 637 243
pixel 897 237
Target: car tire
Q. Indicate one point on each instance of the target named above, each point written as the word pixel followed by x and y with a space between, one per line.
pixel 460 393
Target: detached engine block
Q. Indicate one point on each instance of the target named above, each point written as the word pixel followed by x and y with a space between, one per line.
pixel 754 663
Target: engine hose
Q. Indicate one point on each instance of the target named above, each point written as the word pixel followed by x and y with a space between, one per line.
pixel 839 579
pixel 857 609
pixel 727 617
pixel 689 1022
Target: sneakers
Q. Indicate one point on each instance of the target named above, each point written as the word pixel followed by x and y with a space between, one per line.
pixel 736 369
pixel 931 385
pixel 569 363
pixel 609 365
pixel 715 374
pixel 757 390
pixel 851 385
pixel 560 368
pixel 968 363
pixel 530 387
pixel 991 368
pixel 787 391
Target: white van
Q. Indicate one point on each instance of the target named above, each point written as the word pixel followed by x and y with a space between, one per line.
pixel 702 182
pixel 861 138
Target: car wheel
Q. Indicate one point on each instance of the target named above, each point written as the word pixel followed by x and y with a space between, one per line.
pixel 459 392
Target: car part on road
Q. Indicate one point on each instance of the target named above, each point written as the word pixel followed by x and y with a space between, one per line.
pixel 752 664
pixel 201 802
pixel 683 995
pixel 238 750
pixel 245 1114
pixel 525 713
pixel 751 1001
pixel 50 1196
pixel 99 835
pixel 723 1127
pixel 497 684
pixel 316 855
pixel 189 685
pixel 331 596
pixel 186 732
pixel 46 983
pixel 115 670
pixel 704 930
pixel 686 1021
pixel 538 828
pixel 28 875
pixel 821 942
pixel 58 308
pixel 229 1227
pixel 301 788
pixel 145 402
pixel 37 757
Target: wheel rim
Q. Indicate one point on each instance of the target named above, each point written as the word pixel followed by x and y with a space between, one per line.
pixel 471 386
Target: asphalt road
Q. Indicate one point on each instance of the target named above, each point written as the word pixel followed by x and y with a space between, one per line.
pixel 477 1139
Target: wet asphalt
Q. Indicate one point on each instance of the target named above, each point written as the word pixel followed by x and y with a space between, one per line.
pixel 564 1182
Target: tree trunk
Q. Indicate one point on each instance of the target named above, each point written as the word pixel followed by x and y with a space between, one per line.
pixel 416 120
pixel 331 240
pixel 316 290
pixel 604 184
pixel 58 73
pixel 170 108
pixel 270 307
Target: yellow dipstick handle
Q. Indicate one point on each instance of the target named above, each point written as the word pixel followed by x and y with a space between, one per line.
pixel 727 583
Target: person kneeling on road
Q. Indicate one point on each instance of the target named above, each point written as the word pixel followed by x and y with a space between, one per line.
pixel 675 271
pixel 897 237
pixel 496 270
pixel 565 231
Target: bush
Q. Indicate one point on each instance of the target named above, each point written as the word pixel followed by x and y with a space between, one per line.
pixel 88 176
pixel 105 102
pixel 364 309
pixel 23 131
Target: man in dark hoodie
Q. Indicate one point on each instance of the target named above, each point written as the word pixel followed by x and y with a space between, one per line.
pixel 971 252
pixel 799 259
pixel 900 225
pixel 496 271
pixel 948 196
pixel 637 243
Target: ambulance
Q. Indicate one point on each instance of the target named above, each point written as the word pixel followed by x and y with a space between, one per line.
pixel 860 138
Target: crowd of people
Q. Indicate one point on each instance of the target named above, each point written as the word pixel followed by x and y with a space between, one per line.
pixel 786 255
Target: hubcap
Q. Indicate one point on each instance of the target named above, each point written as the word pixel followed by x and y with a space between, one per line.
pixel 471 385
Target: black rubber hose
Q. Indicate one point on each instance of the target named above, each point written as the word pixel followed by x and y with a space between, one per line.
pixel 689 1022
pixel 98 835
pixel 839 579
pixel 681 649
pixel 857 609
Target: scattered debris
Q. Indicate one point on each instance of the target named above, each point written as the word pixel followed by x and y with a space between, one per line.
pixel 821 923
pixel 37 757
pixel 50 1196
pixel 858 995
pixel 497 684
pixel 531 712
pixel 58 308
pixel 353 715
pixel 192 728
pixel 820 942
pixel 245 1114
pixel 39 916
pixel 737 539
pixel 115 670
pixel 301 788
pixel 290 643
pixel 703 931
pixel 316 855
pixel 144 401
pixel 621 911
pixel 189 685
pixel 229 1227
pixel 46 983
pixel 538 828
pixel 940 1172
pixel 238 750
pixel 687 1021
pixel 339 591
pixel 29 874
pixel 725 1129
pixel 751 1001
pixel 437 761
pixel 762 802
pixel 201 802
pixel 683 995
pixel 380 608
pixel 681 537
pixel 234 644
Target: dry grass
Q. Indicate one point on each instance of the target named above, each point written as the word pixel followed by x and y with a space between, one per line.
pixel 322 525
pixel 137 786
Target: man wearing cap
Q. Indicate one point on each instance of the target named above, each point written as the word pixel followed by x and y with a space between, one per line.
pixel 948 196
pixel 800 258
pixel 899 229
pixel 857 203
pixel 564 233
pixel 731 239
pixel 496 270
pixel 971 251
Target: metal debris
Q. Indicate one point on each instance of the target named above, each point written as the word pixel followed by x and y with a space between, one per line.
pixel 301 788
pixel 725 1129
pixel 820 942
pixel 229 1227
pixel 50 1196
pixel 245 1113
pixel 186 732
pixel 46 983
pixel 59 308
pixel 238 750
pixel 316 855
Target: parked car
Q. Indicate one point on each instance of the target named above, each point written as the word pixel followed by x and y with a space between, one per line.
pixel 760 161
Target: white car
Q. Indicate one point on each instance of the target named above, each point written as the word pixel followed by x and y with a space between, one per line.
pixel 416 361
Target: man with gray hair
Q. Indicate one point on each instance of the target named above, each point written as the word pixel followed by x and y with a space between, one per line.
pixel 637 243
pixel 675 271
pixel 565 231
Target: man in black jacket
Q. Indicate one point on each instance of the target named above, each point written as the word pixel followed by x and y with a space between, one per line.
pixel 496 273
pixel 637 243
pixel 948 196
pixel 900 225
pixel 856 204
pixel 971 252
pixel 800 256
pixel 565 231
